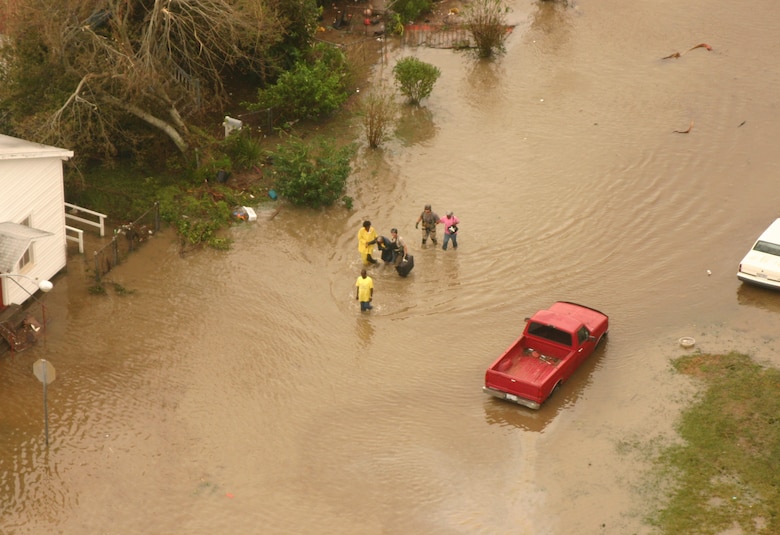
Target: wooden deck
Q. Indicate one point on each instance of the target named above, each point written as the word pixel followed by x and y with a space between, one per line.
pixel 18 329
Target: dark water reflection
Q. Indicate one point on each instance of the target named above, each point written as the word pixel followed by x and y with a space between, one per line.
pixel 415 125
pixel 244 392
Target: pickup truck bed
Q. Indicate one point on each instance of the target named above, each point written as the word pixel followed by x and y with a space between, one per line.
pixel 518 361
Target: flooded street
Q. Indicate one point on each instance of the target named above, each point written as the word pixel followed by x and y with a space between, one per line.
pixel 244 392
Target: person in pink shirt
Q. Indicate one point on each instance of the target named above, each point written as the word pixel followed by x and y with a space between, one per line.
pixel 450 223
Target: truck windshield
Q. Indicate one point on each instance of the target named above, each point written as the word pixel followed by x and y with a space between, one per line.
pixel 550 333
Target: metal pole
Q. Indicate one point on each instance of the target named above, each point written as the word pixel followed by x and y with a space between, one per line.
pixel 45 405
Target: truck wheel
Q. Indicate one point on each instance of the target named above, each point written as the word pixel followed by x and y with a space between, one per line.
pixel 555 389
pixel 600 339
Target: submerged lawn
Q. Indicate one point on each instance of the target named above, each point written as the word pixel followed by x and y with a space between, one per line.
pixel 727 470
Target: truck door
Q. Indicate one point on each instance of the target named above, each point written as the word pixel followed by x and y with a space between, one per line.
pixel 583 344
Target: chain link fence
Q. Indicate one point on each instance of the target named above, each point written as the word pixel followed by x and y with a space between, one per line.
pixel 126 239
pixel 437 36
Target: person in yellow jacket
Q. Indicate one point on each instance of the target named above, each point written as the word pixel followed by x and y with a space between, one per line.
pixel 366 240
pixel 364 291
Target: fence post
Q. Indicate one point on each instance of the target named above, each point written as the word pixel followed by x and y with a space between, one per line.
pixel 115 249
pixel 97 269
pixel 105 261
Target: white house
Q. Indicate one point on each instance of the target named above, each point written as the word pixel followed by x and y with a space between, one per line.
pixel 33 244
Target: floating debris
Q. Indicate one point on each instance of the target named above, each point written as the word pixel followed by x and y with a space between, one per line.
pixel 687 131
pixel 679 54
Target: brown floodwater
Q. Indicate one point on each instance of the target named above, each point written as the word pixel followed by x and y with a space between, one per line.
pixel 244 392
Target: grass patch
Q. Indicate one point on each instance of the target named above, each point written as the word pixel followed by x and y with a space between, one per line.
pixel 125 190
pixel 201 202
pixel 194 203
pixel 726 473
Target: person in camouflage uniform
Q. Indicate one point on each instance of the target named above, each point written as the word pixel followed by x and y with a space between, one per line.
pixel 429 220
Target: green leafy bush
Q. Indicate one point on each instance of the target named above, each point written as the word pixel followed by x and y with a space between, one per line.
pixel 312 174
pixel 314 87
pixel 415 78
pixel 201 211
pixel 396 24
pixel 409 10
pixel 197 214
pixel 243 150
pixel 211 166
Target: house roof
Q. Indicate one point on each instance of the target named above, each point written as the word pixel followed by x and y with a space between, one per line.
pixel 12 148
pixel 14 241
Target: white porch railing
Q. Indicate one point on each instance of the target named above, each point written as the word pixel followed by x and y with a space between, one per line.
pixel 100 223
pixel 78 238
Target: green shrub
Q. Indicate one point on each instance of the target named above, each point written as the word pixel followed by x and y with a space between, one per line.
pixel 244 151
pixel 396 24
pixel 409 10
pixel 197 214
pixel 209 169
pixel 415 78
pixel 314 87
pixel 312 174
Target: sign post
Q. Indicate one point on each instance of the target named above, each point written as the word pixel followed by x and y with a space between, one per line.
pixel 45 372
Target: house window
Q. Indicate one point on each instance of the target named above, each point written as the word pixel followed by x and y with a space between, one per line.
pixel 27 257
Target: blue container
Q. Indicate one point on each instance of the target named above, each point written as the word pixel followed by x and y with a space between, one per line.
pixel 272 194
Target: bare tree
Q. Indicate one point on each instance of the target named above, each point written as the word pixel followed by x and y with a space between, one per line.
pixel 486 21
pixel 117 62
pixel 379 111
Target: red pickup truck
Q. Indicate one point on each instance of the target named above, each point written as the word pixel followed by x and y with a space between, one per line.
pixel 553 345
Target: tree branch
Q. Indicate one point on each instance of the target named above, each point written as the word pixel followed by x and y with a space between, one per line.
pixel 150 119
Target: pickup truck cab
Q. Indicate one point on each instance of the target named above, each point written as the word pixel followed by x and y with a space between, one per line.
pixel 554 343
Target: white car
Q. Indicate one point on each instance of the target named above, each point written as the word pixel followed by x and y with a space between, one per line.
pixel 762 263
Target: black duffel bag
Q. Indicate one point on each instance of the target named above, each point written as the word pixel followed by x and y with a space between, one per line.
pixel 406 266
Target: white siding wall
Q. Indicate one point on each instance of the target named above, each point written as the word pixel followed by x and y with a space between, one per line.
pixel 34 187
